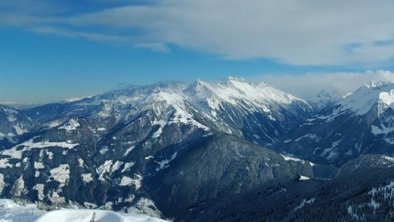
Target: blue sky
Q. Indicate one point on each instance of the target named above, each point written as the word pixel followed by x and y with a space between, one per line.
pixel 52 50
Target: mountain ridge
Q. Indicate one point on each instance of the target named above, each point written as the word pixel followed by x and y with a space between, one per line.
pixel 184 146
pixel 358 124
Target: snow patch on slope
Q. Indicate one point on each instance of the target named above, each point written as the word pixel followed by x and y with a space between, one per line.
pixel 304 203
pixel 71 125
pixel 87 177
pixel 288 158
pixel 16 153
pixel 163 164
pixel 61 174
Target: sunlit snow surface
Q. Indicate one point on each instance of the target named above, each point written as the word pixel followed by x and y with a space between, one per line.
pixel 364 99
pixel 175 103
pixel 12 212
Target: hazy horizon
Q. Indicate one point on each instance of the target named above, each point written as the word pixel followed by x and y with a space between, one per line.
pixel 305 86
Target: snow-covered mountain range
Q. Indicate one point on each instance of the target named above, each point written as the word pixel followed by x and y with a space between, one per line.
pixel 170 149
pixel 360 123
pixel 234 106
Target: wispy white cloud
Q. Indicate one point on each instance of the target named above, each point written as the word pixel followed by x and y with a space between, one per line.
pixel 310 84
pixel 85 35
pixel 292 32
pixel 99 37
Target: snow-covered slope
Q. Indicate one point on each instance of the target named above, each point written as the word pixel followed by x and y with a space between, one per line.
pixel 376 96
pixel 10 211
pixel 362 122
pixel 68 215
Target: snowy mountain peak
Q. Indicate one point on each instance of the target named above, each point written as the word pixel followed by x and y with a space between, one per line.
pixel 377 84
pixel 378 95
pixel 262 84
pixel 326 97
pixel 199 88
pixel 235 89
pixel 234 79
pixel 198 82
pixel 76 99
